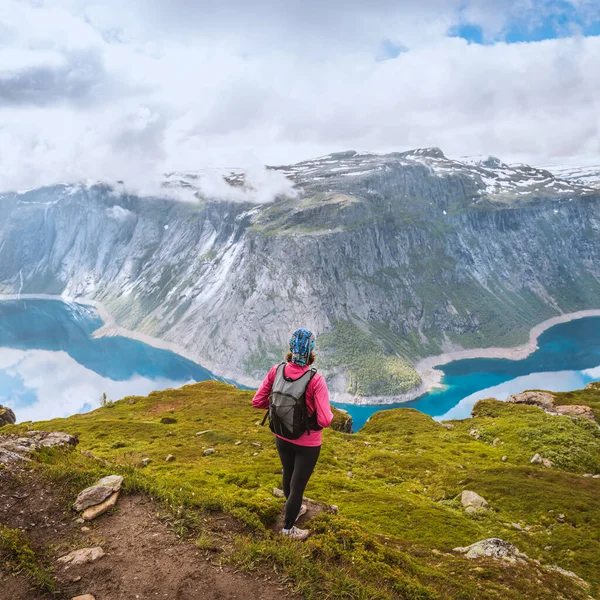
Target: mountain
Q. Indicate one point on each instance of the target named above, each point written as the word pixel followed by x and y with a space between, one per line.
pixel 388 258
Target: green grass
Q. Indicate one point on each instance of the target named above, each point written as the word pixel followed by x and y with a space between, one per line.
pixel 17 556
pixel 396 483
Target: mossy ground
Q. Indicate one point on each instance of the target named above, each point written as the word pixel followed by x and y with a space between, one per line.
pixel 396 483
pixel 17 556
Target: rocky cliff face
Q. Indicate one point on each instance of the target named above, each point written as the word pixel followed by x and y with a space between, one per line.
pixel 410 253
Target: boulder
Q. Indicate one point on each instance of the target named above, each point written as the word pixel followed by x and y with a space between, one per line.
pixel 543 400
pixel 473 499
pixel 170 458
pixel 98 493
pixel 95 511
pixel 493 548
pixel 278 493
pixel 91 496
pixel 208 451
pixel 576 410
pixel 83 556
pixel 538 460
pixel 7 416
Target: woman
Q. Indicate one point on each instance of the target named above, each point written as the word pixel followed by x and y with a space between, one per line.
pixel 299 449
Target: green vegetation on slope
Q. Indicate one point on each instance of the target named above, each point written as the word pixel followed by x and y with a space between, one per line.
pixel 17 556
pixel 372 371
pixel 396 483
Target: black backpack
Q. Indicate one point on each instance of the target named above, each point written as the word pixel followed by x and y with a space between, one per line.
pixel 288 415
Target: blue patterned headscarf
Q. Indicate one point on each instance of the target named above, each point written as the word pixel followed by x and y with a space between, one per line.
pixel 302 343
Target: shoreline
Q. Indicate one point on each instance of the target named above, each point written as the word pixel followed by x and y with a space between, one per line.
pixel 431 377
pixel 426 368
pixel 110 328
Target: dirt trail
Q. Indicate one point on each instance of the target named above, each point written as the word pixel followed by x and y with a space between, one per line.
pixel 144 558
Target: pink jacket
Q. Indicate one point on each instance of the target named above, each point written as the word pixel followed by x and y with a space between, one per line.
pixel 317 398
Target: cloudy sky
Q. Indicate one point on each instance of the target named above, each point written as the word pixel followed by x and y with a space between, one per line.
pixel 130 90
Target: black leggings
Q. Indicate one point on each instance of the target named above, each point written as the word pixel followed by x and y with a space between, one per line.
pixel 298 464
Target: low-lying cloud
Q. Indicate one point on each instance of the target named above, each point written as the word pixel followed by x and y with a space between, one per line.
pixel 110 92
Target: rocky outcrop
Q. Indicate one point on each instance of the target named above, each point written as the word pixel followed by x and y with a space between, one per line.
pixel 576 411
pixel 7 416
pixel 493 548
pixel 14 448
pixel 546 401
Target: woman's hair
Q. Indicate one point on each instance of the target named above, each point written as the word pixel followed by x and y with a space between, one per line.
pixel 311 359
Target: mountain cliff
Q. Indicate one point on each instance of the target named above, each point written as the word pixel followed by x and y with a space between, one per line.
pixel 388 258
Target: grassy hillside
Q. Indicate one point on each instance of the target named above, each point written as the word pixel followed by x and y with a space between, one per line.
pixel 396 483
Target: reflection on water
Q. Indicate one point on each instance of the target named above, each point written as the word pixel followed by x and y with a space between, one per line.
pixel 40 385
pixel 567 359
pixel 50 366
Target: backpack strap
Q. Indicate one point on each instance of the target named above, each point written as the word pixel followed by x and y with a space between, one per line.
pixel 282 364
pixel 313 372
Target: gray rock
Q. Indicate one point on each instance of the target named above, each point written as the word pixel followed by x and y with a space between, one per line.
pixel 98 493
pixel 146 461
pixel 15 448
pixel 538 460
pixel 7 416
pixel 168 420
pixel 493 548
pixel 170 458
pixel 204 432
pixel 278 493
pixel 543 400
pixel 91 496
pixel 575 410
pixel 209 451
pixel 504 458
pixel 82 556
pixel 473 499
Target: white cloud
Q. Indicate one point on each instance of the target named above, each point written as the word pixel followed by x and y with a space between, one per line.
pixel 59 386
pixel 129 91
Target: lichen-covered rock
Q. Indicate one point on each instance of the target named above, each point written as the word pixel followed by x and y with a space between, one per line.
pixel 473 499
pixel 576 410
pixel 14 448
pixel 7 416
pixel 493 548
pixel 543 400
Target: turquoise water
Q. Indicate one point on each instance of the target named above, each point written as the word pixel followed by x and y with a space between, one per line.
pixel 568 358
pixel 50 366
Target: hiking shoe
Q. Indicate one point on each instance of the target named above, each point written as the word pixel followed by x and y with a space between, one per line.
pixel 296 533
pixel 302 511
